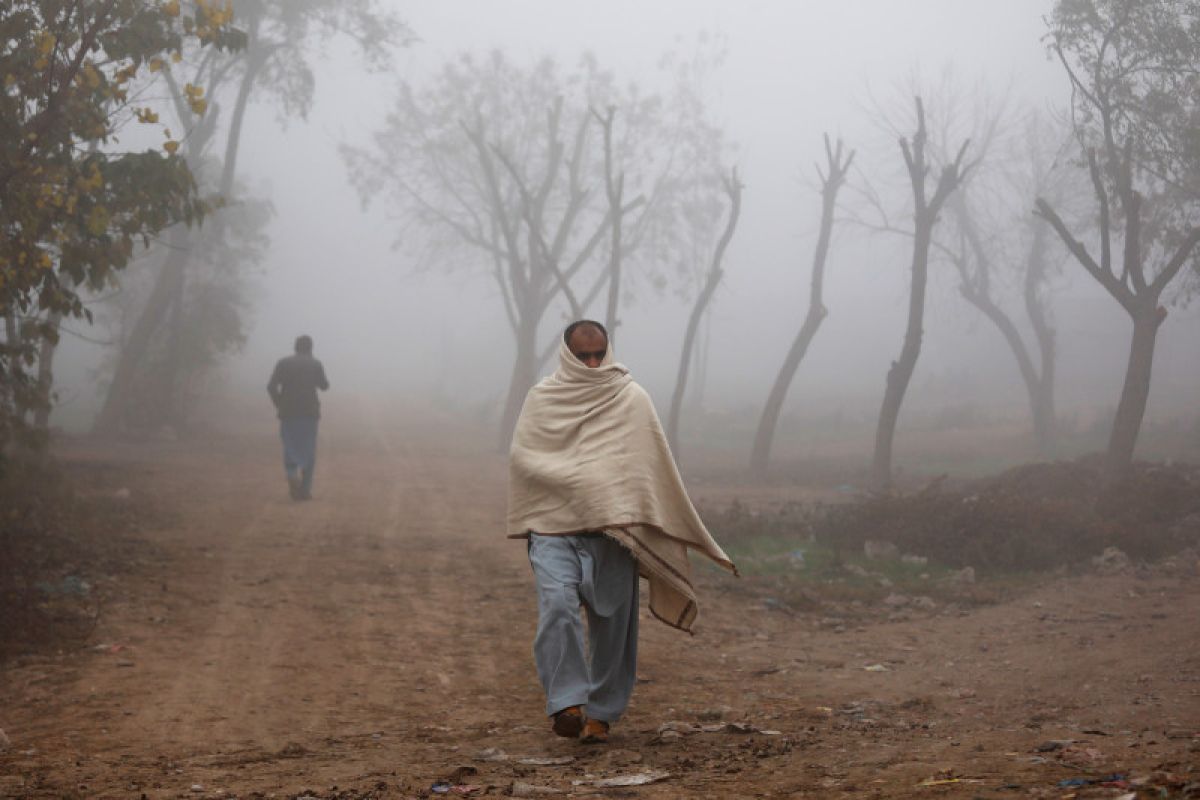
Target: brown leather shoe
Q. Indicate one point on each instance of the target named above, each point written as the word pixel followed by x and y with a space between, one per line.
pixel 569 721
pixel 595 731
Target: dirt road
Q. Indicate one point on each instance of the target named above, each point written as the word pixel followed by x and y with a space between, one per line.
pixel 377 640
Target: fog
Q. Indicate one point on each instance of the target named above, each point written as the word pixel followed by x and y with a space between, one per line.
pixel 794 70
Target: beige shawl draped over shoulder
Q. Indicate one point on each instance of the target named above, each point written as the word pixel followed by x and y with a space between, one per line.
pixel 589 454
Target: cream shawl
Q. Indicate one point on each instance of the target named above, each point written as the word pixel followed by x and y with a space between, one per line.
pixel 589 454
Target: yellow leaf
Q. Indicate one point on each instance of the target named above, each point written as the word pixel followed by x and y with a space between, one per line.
pixel 171 9
pixel 97 221
pixel 199 105
pixel 177 56
pixel 171 146
pixel 45 42
pixel 156 64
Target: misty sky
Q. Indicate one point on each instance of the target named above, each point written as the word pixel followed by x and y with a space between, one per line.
pixel 794 70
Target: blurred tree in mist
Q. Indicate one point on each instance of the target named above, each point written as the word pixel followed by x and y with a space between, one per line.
pixel 73 204
pixel 187 309
pixel 919 160
pixel 1134 70
pixel 994 240
pixel 732 185
pixel 554 182
pixel 833 176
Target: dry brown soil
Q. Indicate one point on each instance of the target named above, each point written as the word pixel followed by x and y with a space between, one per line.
pixel 377 640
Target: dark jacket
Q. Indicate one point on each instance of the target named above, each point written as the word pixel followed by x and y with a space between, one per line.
pixel 294 384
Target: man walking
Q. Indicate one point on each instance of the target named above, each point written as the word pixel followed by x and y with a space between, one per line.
pixel 293 389
pixel 595 490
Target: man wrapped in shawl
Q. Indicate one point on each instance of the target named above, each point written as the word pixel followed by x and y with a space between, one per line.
pixel 594 488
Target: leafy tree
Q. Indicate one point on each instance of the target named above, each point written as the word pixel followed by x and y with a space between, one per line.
pixel 556 183
pixel 1134 69
pixel 148 388
pixel 72 206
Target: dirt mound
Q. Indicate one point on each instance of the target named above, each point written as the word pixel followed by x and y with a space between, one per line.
pixel 1033 517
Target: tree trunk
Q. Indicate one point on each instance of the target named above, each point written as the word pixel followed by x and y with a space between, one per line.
pixel 111 420
pixel 901 371
pixel 761 454
pixel 45 376
pixel 1134 393
pixel 685 359
pixel 733 188
pixel 1045 427
pixel 765 436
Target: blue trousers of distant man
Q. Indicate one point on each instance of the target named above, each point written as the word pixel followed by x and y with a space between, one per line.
pixel 596 572
pixel 299 435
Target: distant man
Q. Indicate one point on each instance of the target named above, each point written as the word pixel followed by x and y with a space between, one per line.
pixel 293 389
pixel 595 490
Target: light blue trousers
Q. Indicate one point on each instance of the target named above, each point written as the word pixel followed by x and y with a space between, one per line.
pixel 594 571
pixel 299 435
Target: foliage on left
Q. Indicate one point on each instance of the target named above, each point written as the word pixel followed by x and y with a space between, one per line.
pixel 74 205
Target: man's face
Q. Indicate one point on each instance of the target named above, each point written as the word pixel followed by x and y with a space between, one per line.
pixel 588 345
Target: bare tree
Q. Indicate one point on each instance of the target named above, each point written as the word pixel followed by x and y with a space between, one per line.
pixel 733 190
pixel 1132 65
pixel 837 166
pixel 495 163
pixel 926 209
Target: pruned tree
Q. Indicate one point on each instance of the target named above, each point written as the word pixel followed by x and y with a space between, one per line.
pixel 73 207
pixel 732 187
pixel 1134 70
pixel 926 209
pixel 833 176
pixel 996 240
pixel 497 165
pixel 152 370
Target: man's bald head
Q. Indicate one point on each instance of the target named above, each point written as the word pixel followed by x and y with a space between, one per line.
pixel 587 340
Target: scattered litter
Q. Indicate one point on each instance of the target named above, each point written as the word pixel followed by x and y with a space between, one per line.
pixel 545 761
pixel 796 557
pixel 1116 779
pixel 876 668
pixel 519 789
pixel 635 779
pixel 70 586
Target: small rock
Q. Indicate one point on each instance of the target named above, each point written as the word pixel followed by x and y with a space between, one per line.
pixel 895 600
pixel 964 575
pixel 122 494
pixel 5 742
pixel 876 550
pixel 927 603
pixel 916 561
pixel 197 787
pixel 713 714
pixel 1111 562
